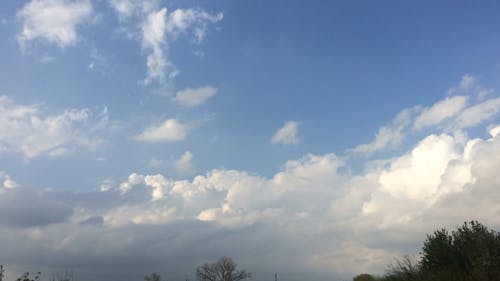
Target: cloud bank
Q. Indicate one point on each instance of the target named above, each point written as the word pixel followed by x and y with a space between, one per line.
pixel 314 213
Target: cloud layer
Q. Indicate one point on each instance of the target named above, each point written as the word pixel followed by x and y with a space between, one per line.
pixel 292 217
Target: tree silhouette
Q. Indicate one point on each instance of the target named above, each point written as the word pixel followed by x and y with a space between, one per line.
pixel 152 277
pixel 364 277
pixel 472 252
pixel 222 270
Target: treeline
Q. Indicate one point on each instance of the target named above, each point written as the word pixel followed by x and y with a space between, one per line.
pixel 469 253
pixel 224 269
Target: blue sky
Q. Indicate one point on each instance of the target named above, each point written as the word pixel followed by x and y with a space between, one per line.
pixel 232 117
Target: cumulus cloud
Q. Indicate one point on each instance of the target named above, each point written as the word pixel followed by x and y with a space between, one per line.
pixel 28 130
pixel 291 217
pixel 190 97
pixel 317 213
pixel 54 21
pixel 288 134
pixel 168 130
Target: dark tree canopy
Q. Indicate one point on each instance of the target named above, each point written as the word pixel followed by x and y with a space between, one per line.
pixel 152 277
pixel 222 270
pixel 469 253
pixel 364 277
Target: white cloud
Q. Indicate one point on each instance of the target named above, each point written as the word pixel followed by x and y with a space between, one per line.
pixel 55 21
pixel 440 111
pixel 153 30
pixel 467 81
pixel 160 28
pixel 26 129
pixel 381 212
pixel 129 8
pixel 452 114
pixel 418 174
pixel 184 165
pixel 478 113
pixel 181 20
pixel 376 212
pixel 6 182
pixel 125 8
pixel 288 134
pixel 168 130
pixel 190 97
pixel 389 136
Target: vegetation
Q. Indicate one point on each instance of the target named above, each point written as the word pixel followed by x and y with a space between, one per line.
pixel 222 270
pixel 152 277
pixel 469 253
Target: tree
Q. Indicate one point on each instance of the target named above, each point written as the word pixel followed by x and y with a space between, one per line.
pixel 26 277
pixel 364 277
pixel 1 272
pixel 472 252
pixel 222 270
pixel 152 277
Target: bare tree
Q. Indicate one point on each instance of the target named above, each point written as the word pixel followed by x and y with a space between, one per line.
pixel 152 277
pixel 222 270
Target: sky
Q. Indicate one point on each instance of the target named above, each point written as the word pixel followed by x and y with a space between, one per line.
pixel 316 139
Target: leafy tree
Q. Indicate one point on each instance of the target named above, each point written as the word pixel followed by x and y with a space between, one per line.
pixel 2 271
pixel 472 252
pixel 222 270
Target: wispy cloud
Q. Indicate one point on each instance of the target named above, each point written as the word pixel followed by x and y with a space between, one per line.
pixel 184 165
pixel 160 28
pixel 452 114
pixel 288 134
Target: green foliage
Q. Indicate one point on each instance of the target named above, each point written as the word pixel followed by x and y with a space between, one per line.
pixel 472 252
pixel 2 271
pixel 469 253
